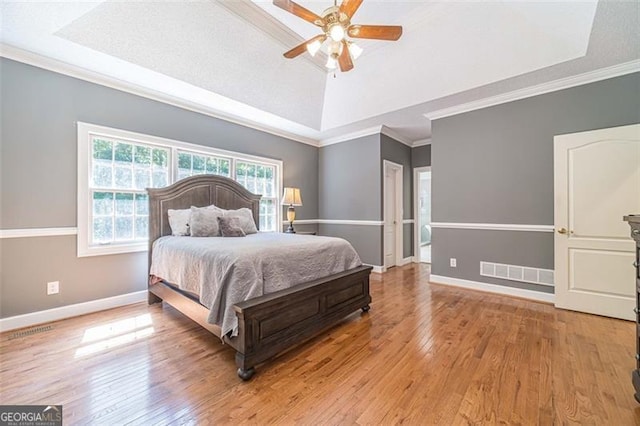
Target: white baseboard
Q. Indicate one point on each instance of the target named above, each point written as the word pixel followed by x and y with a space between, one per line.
pixel 381 269
pixel 377 269
pixel 494 288
pixel 407 260
pixel 27 320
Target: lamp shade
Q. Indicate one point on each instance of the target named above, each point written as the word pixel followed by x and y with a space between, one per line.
pixel 291 197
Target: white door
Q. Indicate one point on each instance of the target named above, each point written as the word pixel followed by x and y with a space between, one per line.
pixel 597 182
pixel 392 213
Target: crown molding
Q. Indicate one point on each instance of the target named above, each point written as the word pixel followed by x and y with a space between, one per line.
pixel 351 135
pixel 540 89
pixel 375 130
pixel 40 61
pixel 422 142
pixel 387 131
pixel 50 64
pixel 260 19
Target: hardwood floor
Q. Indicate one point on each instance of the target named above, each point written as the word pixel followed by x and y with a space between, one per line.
pixel 424 354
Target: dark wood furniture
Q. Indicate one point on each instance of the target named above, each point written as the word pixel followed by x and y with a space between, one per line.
pixel 270 324
pixel 634 222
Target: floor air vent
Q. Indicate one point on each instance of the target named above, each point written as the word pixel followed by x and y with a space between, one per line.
pixel 30 331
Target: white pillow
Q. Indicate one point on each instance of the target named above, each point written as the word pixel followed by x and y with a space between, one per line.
pixel 204 222
pixel 179 222
pixel 245 219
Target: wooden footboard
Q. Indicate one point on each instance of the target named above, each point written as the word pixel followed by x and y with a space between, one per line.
pixel 273 323
pixel 278 321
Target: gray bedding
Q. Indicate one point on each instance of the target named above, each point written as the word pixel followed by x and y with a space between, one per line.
pixel 225 271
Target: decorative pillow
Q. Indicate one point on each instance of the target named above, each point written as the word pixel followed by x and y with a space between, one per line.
pixel 245 219
pixel 204 222
pixel 230 227
pixel 179 221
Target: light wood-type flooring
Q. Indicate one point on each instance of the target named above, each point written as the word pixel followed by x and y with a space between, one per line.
pixel 424 354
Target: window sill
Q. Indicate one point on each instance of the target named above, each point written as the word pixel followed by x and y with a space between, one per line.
pixel 109 249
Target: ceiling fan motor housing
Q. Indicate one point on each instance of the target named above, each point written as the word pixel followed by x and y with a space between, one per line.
pixel 333 16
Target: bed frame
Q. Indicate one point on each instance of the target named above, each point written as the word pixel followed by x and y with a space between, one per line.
pixel 269 324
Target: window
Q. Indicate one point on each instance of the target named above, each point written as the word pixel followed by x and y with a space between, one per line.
pixel 120 172
pixel 259 179
pixel 190 164
pixel 115 167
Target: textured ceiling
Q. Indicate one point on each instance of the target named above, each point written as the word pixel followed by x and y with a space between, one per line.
pixel 226 56
pixel 207 46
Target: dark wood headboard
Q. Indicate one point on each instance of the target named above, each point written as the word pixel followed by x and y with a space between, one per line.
pixel 198 191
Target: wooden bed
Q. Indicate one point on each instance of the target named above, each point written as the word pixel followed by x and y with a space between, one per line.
pixel 269 324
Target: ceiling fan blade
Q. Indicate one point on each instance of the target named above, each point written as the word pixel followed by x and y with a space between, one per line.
pixel 301 48
pixel 378 32
pixel 299 11
pixel 345 62
pixel 349 7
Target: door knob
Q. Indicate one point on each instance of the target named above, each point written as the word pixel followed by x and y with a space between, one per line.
pixel 562 231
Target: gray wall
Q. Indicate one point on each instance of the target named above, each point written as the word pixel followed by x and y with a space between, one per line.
pixel 349 189
pixel 421 156
pixel 495 165
pixel 38 179
pixel 349 184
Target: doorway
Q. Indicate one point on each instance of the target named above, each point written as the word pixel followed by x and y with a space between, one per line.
pixel 392 202
pixel 597 182
pixel 422 213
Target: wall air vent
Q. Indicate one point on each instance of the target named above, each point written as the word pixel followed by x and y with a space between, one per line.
pixel 517 273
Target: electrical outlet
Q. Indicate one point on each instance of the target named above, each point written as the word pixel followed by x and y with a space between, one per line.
pixel 452 262
pixel 53 288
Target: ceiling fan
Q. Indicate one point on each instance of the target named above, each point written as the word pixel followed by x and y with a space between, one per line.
pixel 336 25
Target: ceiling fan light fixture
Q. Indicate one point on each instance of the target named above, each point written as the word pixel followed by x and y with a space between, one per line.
pixel 332 63
pixel 334 48
pixel 336 32
pixel 355 50
pixel 314 47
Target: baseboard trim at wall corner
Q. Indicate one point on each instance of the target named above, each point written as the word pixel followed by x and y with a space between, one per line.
pixel 376 268
pixel 538 296
pixel 55 314
pixel 408 260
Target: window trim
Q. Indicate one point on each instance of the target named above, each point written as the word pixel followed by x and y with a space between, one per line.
pixel 85 132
